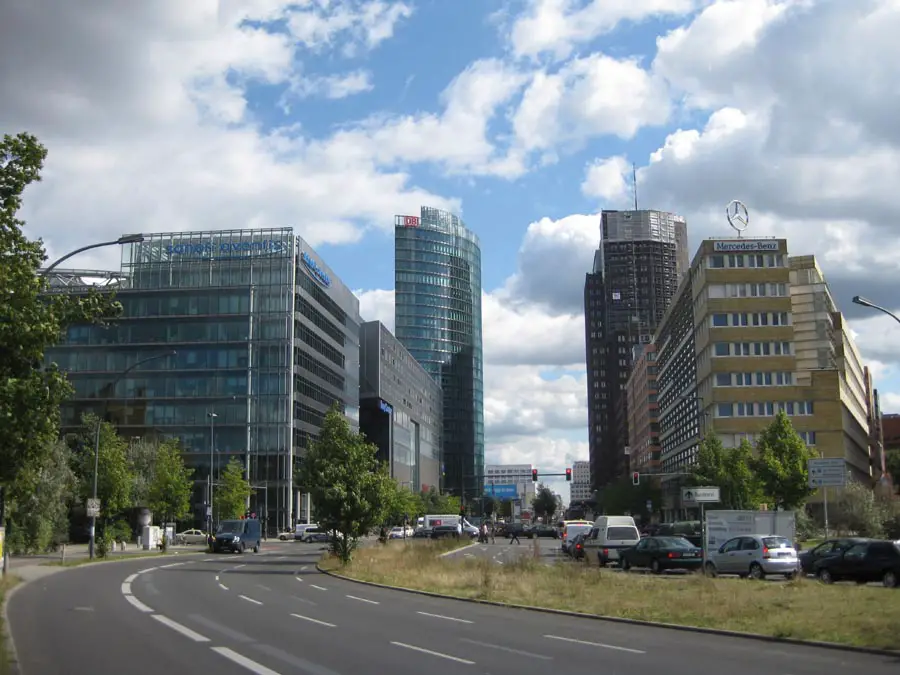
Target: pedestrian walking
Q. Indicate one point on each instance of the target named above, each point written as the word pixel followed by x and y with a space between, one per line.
pixel 513 535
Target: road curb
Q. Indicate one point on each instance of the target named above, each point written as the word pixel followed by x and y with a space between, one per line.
pixel 6 634
pixel 872 651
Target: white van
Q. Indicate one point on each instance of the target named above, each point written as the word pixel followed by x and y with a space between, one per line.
pixel 608 536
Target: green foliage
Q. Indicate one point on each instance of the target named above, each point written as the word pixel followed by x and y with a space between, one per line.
pixel 39 517
pixel 170 490
pixel 120 531
pixel 892 464
pixel 435 503
pixel 488 505
pixel 30 322
pixel 349 489
pixel 142 460
pixel 729 470
pixel 230 497
pixel 857 511
pixel 624 497
pixel 505 508
pixel 544 502
pixel 115 478
pixel 402 503
pixel 781 464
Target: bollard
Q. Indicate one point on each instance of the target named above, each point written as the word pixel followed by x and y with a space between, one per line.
pixel 62 554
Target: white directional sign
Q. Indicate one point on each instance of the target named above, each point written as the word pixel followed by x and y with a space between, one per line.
pixel 93 508
pixel 827 472
pixel 700 495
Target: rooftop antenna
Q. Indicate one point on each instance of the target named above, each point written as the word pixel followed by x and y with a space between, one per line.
pixel 634 184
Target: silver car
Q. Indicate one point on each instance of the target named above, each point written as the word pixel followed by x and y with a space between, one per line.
pixel 755 556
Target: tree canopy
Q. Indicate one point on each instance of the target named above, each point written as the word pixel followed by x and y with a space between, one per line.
pixel 730 470
pixel 351 492
pixel 781 464
pixel 232 492
pixel 544 502
pixel 169 493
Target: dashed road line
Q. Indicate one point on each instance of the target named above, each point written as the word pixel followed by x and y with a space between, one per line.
pixel 446 618
pixel 321 588
pixel 149 569
pixel 311 620
pixel 165 567
pixel 223 587
pixel 244 597
pixel 371 602
pixel 595 644
pixel 501 648
pixel 178 628
pixel 422 650
pixel 265 588
pixel 298 579
pixel 249 664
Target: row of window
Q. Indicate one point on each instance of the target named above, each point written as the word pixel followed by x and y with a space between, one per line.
pixel 751 319
pixel 752 260
pixel 311 390
pixel 734 440
pixel 776 379
pixel 317 343
pixel 319 320
pixel 318 369
pixel 305 282
pixel 761 290
pixel 764 409
pixel 752 349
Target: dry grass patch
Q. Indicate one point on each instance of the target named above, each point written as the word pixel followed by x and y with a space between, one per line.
pixel 6 583
pixel 801 609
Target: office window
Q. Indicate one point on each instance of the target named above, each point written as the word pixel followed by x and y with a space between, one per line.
pixel 723 379
pixel 722 349
pixel 720 320
pixel 717 261
pixel 724 410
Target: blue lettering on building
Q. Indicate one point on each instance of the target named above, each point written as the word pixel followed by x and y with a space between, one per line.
pixel 386 407
pixel 227 249
pixel 317 272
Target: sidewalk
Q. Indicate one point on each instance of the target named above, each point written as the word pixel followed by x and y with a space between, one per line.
pixel 80 551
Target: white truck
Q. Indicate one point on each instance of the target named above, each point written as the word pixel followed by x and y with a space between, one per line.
pixel 724 525
pixel 432 521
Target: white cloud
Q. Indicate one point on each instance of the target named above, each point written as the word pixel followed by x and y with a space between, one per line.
pixel 605 179
pixel 557 27
pixel 333 86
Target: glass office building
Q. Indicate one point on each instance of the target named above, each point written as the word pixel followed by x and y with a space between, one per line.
pixel 265 336
pixel 437 277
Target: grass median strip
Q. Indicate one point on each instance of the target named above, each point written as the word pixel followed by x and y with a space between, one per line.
pixel 6 583
pixel 801 609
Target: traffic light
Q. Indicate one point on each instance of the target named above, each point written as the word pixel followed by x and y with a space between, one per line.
pixel 534 475
pixel 568 474
pixel 635 478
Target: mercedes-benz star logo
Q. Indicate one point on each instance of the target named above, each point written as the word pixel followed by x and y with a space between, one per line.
pixel 738 216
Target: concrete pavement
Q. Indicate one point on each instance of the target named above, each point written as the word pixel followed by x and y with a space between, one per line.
pixel 274 613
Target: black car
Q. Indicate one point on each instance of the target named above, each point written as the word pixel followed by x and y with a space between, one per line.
pixel 443 531
pixel 827 548
pixel 662 553
pixel 544 531
pixel 864 562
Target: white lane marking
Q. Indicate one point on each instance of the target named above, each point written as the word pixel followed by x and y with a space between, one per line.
pixel 249 664
pixel 126 588
pixel 210 559
pixel 217 577
pixel 311 620
pixel 223 587
pixel 298 579
pixel 165 567
pixel 321 588
pixel 595 644
pixel 177 627
pixel 244 597
pixel 265 588
pixel 140 606
pixel 130 578
pixel 468 555
pixel 484 548
pixel 281 557
pixel 446 618
pixel 149 569
pixel 438 654
pixel 371 602
pixel 507 649
pixel 304 568
pixel 237 567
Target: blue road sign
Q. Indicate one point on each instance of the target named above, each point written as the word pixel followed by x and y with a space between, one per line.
pixel 505 491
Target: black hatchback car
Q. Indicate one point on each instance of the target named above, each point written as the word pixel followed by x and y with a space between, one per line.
pixel 865 562
pixel 826 549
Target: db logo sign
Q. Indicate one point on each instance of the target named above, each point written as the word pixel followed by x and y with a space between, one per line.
pixel 410 221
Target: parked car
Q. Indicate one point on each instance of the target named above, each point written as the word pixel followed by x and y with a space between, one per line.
pixel 191 537
pixel 754 555
pixel 662 553
pixel 808 559
pixel 863 562
pixel 547 531
pixel 444 531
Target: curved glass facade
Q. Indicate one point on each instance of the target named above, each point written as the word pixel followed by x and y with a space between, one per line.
pixel 437 277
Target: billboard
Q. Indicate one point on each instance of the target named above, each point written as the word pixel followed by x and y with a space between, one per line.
pixel 505 491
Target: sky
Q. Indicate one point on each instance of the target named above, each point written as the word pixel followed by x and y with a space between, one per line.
pixel 522 116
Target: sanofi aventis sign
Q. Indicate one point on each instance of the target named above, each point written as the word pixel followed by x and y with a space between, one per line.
pixel 227 249
pixel 315 271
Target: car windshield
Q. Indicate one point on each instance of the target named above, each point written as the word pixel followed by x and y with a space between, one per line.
pixel 620 533
pixel 573 530
pixel 777 542
pixel 674 542
pixel 231 527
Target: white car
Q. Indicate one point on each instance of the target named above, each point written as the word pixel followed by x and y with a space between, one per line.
pixel 285 536
pixel 191 537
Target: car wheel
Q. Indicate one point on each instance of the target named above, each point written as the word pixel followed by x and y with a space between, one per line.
pixel 825 576
pixel 790 576
pixel 655 567
pixel 256 549
pixel 756 572
pixel 625 565
pixel 710 570
pixel 890 579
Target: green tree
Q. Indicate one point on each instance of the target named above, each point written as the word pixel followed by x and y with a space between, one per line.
pixel 544 502
pixel 115 480
pixel 142 454
pixel 39 518
pixel 622 496
pixel 781 464
pixel 230 496
pixel 731 470
pixel 169 494
pixel 857 511
pixel 30 322
pixel 892 464
pixel 489 505
pixel 402 503
pixel 349 488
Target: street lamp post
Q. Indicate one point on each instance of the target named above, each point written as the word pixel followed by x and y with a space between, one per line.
pixel 212 419
pixel 859 300
pixel 127 239
pixel 97 439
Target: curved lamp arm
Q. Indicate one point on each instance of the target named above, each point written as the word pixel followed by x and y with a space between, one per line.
pixel 127 239
pixel 859 300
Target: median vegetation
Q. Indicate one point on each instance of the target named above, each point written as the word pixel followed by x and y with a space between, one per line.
pixel 801 609
pixel 6 583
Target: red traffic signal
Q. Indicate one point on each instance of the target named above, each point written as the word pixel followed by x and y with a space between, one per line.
pixel 534 475
pixel 635 478
pixel 568 474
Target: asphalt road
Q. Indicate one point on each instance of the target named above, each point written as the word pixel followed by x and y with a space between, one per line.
pixel 273 613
